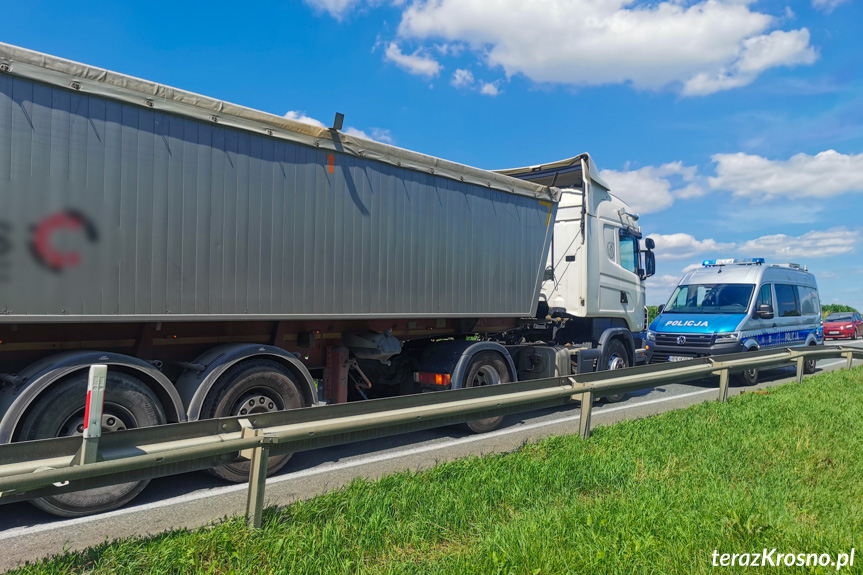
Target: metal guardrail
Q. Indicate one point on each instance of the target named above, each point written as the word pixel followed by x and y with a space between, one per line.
pixel 60 464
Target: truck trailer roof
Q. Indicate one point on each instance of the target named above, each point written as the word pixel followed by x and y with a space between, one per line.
pixel 98 81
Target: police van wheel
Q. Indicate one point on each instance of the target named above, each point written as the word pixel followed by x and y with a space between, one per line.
pixel 747 377
pixel 810 365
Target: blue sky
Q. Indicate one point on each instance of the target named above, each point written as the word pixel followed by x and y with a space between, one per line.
pixel 734 127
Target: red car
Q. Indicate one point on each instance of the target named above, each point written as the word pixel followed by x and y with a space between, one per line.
pixel 844 324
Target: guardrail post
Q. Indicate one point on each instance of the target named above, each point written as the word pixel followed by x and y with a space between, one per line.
pixel 259 457
pixel 96 381
pixel 800 361
pixel 723 385
pixel 849 355
pixel 584 420
pixel 257 486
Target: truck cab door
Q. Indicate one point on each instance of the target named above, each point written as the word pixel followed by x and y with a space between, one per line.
pixel 631 296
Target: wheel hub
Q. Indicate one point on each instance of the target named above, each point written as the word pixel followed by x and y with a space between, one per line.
pixel 615 362
pixel 254 403
pixel 74 426
pixel 487 375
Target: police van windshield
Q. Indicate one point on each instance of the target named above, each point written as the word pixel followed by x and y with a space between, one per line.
pixel 710 298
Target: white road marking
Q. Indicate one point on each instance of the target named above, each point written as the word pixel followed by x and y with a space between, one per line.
pixel 330 467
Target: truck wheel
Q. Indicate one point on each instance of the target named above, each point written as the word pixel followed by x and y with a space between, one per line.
pixel 249 388
pixel 60 413
pixel 486 368
pixel 614 357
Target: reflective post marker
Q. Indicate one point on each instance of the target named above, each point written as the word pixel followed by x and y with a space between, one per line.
pixel 96 381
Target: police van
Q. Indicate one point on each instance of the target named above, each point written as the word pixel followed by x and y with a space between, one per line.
pixel 729 306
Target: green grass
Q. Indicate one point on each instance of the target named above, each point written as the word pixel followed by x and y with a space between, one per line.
pixel 782 469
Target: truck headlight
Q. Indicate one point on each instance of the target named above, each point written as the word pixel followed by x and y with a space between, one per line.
pixel 651 336
pixel 728 337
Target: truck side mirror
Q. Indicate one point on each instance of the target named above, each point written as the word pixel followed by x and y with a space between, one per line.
pixel 660 309
pixel 649 263
pixel 765 311
pixel 649 243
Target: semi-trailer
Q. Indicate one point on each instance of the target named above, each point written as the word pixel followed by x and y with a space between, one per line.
pixel 224 261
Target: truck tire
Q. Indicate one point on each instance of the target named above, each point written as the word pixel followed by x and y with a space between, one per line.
pixel 248 388
pixel 614 356
pixel 486 368
pixel 60 413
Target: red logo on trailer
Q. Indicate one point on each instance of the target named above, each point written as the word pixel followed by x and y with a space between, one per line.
pixel 47 252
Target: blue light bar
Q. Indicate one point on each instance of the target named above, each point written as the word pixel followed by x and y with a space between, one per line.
pixel 728 262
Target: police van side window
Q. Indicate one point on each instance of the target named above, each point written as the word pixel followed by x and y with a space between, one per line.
pixel 809 303
pixel 787 301
pixel 765 297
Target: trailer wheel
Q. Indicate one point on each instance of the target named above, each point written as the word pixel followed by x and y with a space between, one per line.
pixel 249 388
pixel 60 413
pixel 486 368
pixel 614 356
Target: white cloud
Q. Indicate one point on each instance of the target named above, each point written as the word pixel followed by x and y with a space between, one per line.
pixel 814 244
pixel 705 46
pixel 357 133
pixel 336 8
pixel 462 78
pixel 446 49
pixel 382 135
pixel 416 63
pixel 684 246
pixel 811 245
pixel 827 5
pixel 823 175
pixel 759 53
pixel 665 282
pixel 690 267
pixel 378 134
pixel 489 89
pixel 301 117
pixel 650 189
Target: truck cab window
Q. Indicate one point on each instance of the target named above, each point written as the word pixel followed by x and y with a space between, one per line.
pixel 628 251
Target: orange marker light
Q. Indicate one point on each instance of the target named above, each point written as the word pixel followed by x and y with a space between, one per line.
pixel 442 379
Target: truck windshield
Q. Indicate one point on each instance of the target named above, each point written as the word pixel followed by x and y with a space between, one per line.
pixel 710 298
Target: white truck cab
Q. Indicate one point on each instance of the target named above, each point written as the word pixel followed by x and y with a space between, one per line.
pixel 594 282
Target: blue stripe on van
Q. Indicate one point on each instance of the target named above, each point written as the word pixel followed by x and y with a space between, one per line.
pixel 696 323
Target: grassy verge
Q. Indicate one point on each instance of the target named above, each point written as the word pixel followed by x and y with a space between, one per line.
pixel 777 470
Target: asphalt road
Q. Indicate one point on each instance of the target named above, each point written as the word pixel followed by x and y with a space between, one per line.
pixel 197 499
